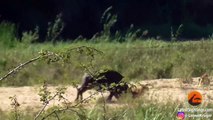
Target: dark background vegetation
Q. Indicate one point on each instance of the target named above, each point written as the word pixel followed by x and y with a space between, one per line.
pixel 82 17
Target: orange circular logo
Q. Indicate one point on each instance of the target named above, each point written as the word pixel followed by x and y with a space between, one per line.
pixel 195 98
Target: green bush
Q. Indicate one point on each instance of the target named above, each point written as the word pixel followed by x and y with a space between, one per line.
pixel 7 34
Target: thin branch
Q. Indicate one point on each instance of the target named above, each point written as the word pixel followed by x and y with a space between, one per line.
pixel 26 63
pixel 41 56
pixel 88 70
pixel 19 67
pixel 58 110
pixel 69 108
pixel 36 117
pixel 39 113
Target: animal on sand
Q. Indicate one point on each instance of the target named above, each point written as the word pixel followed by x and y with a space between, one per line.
pixel 105 79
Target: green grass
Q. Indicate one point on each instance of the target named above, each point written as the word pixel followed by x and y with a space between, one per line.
pixel 132 110
pixel 135 58
pixel 138 60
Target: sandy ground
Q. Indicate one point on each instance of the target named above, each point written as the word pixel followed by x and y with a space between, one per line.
pixel 163 90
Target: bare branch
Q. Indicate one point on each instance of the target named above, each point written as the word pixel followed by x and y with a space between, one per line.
pixel 19 67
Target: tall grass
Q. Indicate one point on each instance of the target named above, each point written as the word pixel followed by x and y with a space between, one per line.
pixel 139 110
pixel 138 60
